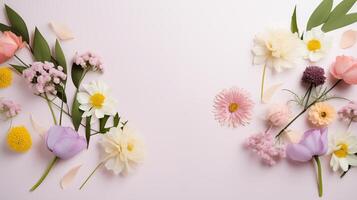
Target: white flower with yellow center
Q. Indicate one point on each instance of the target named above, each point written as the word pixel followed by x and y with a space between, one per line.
pixel 95 100
pixel 278 49
pixel 316 45
pixel 343 147
pixel 123 150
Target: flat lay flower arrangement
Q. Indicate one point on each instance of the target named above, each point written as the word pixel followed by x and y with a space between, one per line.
pixel 281 49
pixel 91 109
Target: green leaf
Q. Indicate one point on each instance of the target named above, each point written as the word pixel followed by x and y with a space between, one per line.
pixel 77 74
pixel 61 93
pixel 4 27
pixel 339 22
pixel 18 68
pixel 102 123
pixel 41 50
pixel 116 120
pixel 341 9
pixel 76 114
pixel 294 27
pixel 320 14
pixel 60 58
pixel 18 25
pixel 88 130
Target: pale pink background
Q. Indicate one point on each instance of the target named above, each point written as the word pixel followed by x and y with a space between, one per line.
pixel 166 60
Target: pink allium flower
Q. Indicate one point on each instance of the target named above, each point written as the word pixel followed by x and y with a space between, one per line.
pixel 348 113
pixel 42 77
pixel 263 144
pixel 278 115
pixel 10 108
pixel 89 60
pixel 233 107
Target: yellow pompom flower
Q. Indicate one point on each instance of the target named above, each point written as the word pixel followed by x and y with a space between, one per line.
pixel 5 77
pixel 321 114
pixel 19 139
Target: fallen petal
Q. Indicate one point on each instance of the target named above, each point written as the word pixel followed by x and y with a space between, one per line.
pixel 68 178
pixel 62 31
pixel 37 127
pixel 268 94
pixel 348 39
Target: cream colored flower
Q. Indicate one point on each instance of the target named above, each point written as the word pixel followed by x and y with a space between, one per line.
pixel 95 100
pixel 278 49
pixel 342 148
pixel 321 114
pixel 316 45
pixel 123 150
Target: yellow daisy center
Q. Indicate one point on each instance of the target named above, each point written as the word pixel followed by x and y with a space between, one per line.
pixel 97 100
pixel 342 152
pixel 19 139
pixel 314 45
pixel 130 147
pixel 5 77
pixel 233 107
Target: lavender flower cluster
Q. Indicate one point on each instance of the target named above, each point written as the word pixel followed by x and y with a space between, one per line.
pixel 89 60
pixel 42 77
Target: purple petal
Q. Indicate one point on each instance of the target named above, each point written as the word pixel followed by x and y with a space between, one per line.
pixel 312 141
pixel 68 147
pixel 54 134
pixel 298 152
pixel 324 141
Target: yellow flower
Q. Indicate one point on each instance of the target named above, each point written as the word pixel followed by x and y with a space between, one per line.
pixel 19 139
pixel 5 77
pixel 321 114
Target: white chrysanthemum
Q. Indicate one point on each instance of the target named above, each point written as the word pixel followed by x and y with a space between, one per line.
pixel 123 150
pixel 95 100
pixel 342 147
pixel 278 49
pixel 316 45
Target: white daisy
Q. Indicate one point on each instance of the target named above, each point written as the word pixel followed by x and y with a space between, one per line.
pixel 123 150
pixel 278 49
pixel 316 45
pixel 343 147
pixel 95 100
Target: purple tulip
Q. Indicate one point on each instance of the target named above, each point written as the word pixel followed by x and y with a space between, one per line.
pixel 64 142
pixel 313 143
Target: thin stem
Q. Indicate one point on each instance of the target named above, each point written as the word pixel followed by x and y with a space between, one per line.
pixel 49 167
pixel 51 109
pixel 319 175
pixel 305 109
pixel 262 84
pixel 91 174
pixel 308 96
pixel 19 59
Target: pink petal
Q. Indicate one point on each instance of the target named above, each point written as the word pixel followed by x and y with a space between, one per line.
pixel 348 39
pixel 350 75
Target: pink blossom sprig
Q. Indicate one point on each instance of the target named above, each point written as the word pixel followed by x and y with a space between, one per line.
pixel 43 76
pixel 10 108
pixel 89 61
pixel 348 113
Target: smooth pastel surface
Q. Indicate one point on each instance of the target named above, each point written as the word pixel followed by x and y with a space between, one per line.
pixel 165 61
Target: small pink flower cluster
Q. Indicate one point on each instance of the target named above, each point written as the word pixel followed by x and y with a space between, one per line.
pixel 42 77
pixel 10 108
pixel 349 112
pixel 263 144
pixel 89 60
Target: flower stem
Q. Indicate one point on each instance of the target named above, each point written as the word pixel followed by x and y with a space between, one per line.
pixel 308 96
pixel 91 174
pixel 307 107
pixel 19 59
pixel 319 175
pixel 262 84
pixel 49 167
pixel 51 109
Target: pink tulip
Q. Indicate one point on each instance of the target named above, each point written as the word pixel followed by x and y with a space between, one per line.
pixel 9 44
pixel 345 68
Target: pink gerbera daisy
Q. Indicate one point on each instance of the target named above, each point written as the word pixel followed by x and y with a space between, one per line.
pixel 233 107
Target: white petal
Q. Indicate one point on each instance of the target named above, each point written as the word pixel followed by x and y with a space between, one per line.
pixel 85 107
pixel 343 164
pixel 352 160
pixel 83 97
pixel 68 178
pixel 62 31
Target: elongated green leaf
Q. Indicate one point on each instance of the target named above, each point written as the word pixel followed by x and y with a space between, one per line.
pixel 18 25
pixel 41 50
pixel 339 22
pixel 60 58
pixel 320 14
pixel 76 114
pixel 294 27
pixel 18 68
pixel 102 123
pixel 116 120
pixel 88 130
pixel 341 9
pixel 77 74
pixel 4 27
pixel 61 93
